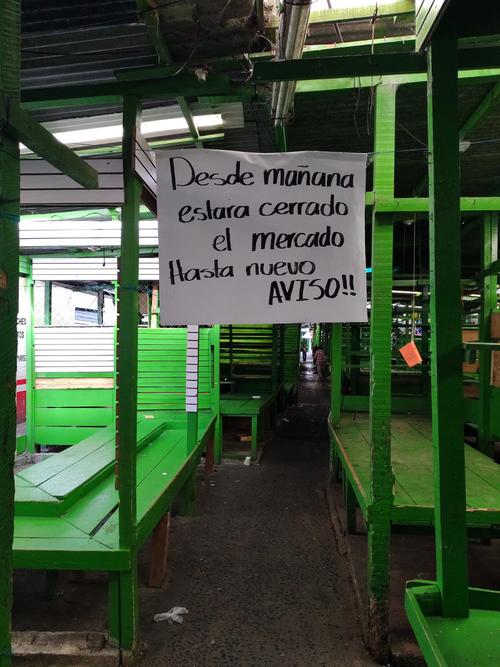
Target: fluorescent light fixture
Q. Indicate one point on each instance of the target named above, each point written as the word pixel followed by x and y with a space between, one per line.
pixel 112 133
pixel 320 5
pixel 402 291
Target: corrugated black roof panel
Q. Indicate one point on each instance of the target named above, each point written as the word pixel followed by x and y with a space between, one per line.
pixel 65 43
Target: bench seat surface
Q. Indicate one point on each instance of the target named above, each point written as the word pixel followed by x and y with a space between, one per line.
pixel 243 405
pixel 411 455
pixel 68 502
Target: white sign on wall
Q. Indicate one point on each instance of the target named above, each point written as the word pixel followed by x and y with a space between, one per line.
pixel 249 238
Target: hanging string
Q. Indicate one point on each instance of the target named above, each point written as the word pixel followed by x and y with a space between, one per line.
pixel 413 309
pixel 371 98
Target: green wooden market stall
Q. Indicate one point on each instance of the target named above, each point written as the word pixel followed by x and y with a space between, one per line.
pixel 93 505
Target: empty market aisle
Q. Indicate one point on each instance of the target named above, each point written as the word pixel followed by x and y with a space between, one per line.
pixel 258 568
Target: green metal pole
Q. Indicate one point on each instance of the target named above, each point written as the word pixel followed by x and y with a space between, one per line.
pixel 489 253
pixel 381 476
pixel 336 376
pixel 126 419
pixel 446 321
pixel 10 11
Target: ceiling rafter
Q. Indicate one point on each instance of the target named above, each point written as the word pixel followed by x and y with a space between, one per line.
pixel 472 122
pixel 152 23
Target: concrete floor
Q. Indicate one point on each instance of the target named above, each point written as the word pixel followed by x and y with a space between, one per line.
pixel 257 568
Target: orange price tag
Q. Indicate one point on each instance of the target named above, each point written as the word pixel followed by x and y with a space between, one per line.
pixel 410 354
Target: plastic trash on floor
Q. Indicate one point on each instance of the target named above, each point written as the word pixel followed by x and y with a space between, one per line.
pixel 174 615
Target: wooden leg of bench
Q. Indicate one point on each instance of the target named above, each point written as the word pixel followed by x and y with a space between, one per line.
pixel 159 553
pixel 219 434
pixel 210 457
pixel 123 603
pixel 260 428
pixel 255 436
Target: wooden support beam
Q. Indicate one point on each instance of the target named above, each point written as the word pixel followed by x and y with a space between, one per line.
pixel 366 65
pixel 113 92
pixel 126 606
pixel 489 254
pixel 446 321
pixel 10 59
pixel 386 204
pixel 20 126
pixel 159 553
pixel 336 373
pixel 151 19
pixel 381 476
pixel 128 286
pixel 398 8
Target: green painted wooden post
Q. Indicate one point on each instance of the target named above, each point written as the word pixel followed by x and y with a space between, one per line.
pixel 10 11
pixel 215 391
pixel 425 342
pixel 446 314
pixel 489 254
pixel 30 366
pixel 336 375
pixel 126 418
pixel 355 346
pixel 115 347
pixel 254 436
pixel 381 476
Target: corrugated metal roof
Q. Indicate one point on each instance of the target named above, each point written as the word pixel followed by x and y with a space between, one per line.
pixel 66 42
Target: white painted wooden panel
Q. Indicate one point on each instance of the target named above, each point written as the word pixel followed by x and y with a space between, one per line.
pixel 81 233
pixel 41 183
pixel 89 268
pixel 74 349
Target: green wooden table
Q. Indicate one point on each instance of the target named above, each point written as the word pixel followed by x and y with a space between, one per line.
pixel 411 456
pixel 242 405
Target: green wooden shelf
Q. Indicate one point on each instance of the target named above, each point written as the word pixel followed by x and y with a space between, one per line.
pixel 481 345
pixel 454 642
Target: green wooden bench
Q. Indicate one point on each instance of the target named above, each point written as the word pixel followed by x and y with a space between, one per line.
pixel 251 365
pixel 67 506
pixel 240 405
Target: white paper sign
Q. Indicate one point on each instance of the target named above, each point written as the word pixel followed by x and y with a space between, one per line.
pixel 249 238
